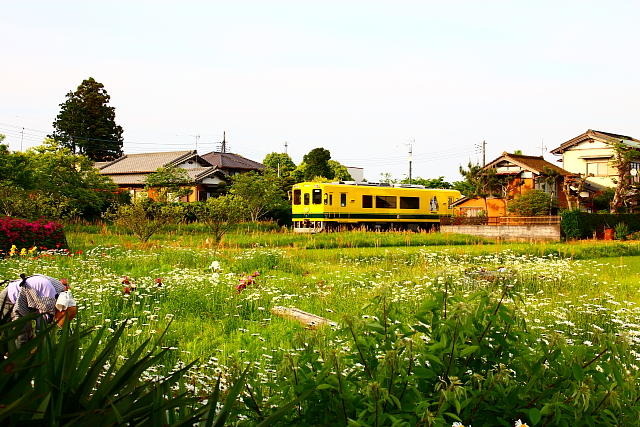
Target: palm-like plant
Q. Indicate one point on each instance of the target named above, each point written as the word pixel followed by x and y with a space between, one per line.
pixel 53 380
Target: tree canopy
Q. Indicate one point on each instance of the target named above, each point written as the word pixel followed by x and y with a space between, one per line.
pixel 169 183
pixel 86 123
pixel 317 164
pixel 259 193
pixel 51 181
pixel 279 164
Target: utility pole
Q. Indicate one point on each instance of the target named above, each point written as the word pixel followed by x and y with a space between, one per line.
pixel 483 148
pixel 21 138
pixel 286 145
pixel 197 139
pixel 410 158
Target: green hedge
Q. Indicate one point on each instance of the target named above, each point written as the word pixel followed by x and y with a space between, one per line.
pixel 582 225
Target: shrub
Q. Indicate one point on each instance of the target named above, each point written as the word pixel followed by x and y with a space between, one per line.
pixel 622 231
pixel 143 218
pixel 532 203
pixel 26 234
pixel 69 378
pixel 583 225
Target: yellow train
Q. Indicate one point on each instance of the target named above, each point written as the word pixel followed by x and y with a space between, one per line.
pixel 319 206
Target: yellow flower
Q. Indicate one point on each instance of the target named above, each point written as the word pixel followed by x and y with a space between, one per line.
pixel 13 250
pixel 23 252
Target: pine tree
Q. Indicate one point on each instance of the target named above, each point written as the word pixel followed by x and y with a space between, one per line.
pixel 86 123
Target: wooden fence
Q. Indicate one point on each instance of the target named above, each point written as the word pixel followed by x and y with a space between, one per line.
pixel 502 220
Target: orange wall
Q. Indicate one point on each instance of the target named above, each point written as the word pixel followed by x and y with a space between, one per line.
pixel 495 207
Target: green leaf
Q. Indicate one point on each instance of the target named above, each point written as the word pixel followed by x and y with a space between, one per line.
pixel 534 416
pixel 469 349
pixel 578 373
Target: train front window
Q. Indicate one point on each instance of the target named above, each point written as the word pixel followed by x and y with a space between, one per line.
pixel 367 201
pixel 409 202
pixel 306 198
pixel 386 202
pixel 296 196
pixel 317 196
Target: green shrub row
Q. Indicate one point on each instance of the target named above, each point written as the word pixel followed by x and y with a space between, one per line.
pixel 582 225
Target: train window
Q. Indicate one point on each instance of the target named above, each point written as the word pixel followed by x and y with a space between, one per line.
pixel 317 196
pixel 296 196
pixel 326 199
pixel 367 201
pixel 306 198
pixel 433 204
pixel 343 199
pixel 386 202
pixel 331 199
pixel 409 202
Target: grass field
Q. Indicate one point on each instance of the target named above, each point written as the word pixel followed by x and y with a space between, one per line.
pixel 581 296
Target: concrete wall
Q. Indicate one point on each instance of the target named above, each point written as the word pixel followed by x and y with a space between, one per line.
pixel 549 233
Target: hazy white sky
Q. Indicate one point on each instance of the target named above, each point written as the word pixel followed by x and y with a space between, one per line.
pixel 360 78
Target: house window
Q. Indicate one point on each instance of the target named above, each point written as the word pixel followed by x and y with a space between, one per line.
pixel 597 168
pixel 306 198
pixel 317 196
pixel 296 196
pixel 367 202
pixel 409 202
pixel 386 202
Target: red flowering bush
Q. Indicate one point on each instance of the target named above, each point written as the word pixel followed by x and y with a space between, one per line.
pixel 27 234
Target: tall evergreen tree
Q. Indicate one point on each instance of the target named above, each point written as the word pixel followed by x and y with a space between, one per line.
pixel 86 123
pixel 317 164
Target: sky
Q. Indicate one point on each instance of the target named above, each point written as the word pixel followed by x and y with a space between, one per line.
pixel 363 79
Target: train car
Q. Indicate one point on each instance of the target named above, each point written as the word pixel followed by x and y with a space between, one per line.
pixel 320 206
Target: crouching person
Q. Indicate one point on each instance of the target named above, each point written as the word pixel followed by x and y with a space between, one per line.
pixel 33 294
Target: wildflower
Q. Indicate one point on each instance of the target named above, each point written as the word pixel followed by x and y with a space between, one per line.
pixel 519 423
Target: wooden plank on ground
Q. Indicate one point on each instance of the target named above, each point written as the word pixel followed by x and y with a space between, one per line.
pixel 309 320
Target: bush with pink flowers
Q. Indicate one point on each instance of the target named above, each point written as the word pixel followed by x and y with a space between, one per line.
pixel 27 234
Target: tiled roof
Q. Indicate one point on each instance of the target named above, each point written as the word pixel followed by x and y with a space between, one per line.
pixel 606 137
pixel 231 161
pixel 145 162
pixel 532 163
pixel 195 175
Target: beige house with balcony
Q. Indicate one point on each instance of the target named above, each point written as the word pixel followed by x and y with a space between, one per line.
pixel 591 154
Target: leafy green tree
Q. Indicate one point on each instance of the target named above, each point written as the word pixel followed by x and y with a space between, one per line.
pixel 220 214
pixel 52 182
pixel 626 191
pixel 532 203
pixel 86 123
pixel 169 182
pixel 279 164
pixel 317 164
pixel 59 173
pixel 259 193
pixel 143 218
pixel 339 171
pixel 429 182
pixel 387 178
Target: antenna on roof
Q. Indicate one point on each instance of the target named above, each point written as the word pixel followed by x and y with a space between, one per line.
pixel 223 144
pixel 543 148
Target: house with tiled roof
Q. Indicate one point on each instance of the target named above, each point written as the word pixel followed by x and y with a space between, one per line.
pixel 130 171
pixel 591 155
pixel 231 163
pixel 523 174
